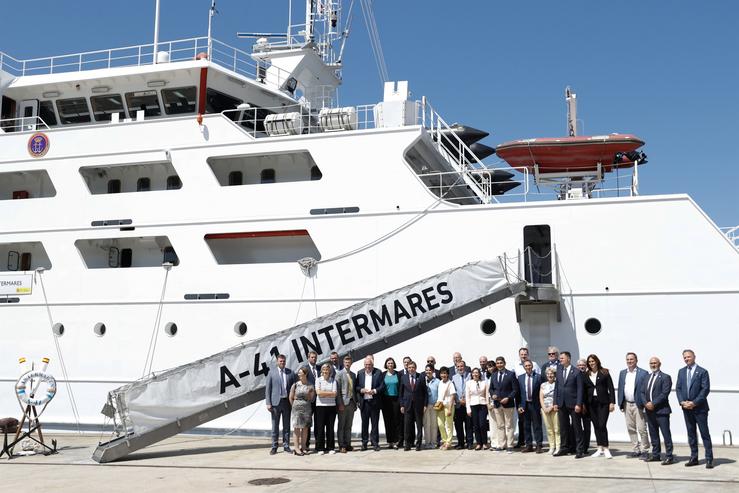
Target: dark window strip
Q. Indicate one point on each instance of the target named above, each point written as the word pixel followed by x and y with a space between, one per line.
pixel 334 210
pixel 207 296
pixel 111 222
pixel 9 300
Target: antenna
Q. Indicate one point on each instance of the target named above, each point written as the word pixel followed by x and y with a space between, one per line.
pixel 571 100
pixel 156 32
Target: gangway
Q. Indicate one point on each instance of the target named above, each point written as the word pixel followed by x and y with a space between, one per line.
pixel 162 405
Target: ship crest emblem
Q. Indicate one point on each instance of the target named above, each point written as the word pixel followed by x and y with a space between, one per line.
pixel 38 144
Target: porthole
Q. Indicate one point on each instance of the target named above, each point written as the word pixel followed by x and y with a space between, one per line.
pixel 592 326
pixel 58 329
pixel 240 328
pixel 488 327
pixel 170 329
pixel 99 329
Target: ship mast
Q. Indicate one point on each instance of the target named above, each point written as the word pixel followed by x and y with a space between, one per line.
pixel 571 99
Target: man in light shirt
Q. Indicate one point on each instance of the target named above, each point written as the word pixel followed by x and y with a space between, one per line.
pixel 630 381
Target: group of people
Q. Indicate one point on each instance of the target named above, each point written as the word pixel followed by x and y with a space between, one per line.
pixel 426 407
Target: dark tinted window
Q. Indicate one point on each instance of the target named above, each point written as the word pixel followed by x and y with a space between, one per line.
pixel 114 186
pixel 170 256
pixel 179 100
pixel 216 101
pixel 126 257
pixel 235 178
pixel 73 110
pixel 174 182
pixel 104 106
pixel 143 184
pixel 315 173
pixel 143 100
pixel 268 175
pixel 592 326
pixel 46 112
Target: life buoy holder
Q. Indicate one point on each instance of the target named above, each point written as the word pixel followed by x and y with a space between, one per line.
pixel 31 397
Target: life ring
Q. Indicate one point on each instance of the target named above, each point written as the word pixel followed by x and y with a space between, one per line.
pixel 31 397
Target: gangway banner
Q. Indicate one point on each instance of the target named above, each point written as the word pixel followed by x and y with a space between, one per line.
pixel 15 284
pixel 365 327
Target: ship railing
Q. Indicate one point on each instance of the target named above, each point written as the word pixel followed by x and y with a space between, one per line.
pixel 454 150
pixel 303 120
pixel 447 184
pixel 23 124
pixel 732 233
pixel 236 60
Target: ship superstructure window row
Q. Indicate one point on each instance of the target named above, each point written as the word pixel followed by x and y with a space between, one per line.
pixel 23 256
pixel 125 178
pixel 111 253
pixel 33 184
pixel 264 168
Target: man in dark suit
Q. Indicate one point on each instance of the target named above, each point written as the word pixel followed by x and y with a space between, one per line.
pixel 656 393
pixel 347 404
pixel 630 381
pixel 552 360
pixel 370 386
pixel 413 398
pixel 503 392
pixel 314 371
pixel 693 386
pixel 568 400
pixel 335 363
pixel 529 409
pixel 276 391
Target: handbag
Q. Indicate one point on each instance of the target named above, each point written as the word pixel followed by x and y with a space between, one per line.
pixel 438 405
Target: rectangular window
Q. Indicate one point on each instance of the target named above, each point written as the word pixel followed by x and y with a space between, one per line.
pixel 179 100
pixel 104 106
pixel 174 182
pixel 262 247
pixel 46 113
pixel 24 256
pixel 32 184
pixel 73 110
pixel 125 252
pixel 143 100
pixel 114 186
pixel 143 185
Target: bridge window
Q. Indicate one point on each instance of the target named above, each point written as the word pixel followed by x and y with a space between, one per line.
pixel 143 100
pixel 46 113
pixel 179 100
pixel 104 106
pixel 73 110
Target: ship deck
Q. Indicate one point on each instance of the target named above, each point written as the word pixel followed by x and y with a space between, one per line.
pixel 207 463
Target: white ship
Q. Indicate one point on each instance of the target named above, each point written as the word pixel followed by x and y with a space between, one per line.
pixel 156 200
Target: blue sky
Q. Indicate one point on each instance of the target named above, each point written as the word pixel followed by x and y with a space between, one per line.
pixel 665 71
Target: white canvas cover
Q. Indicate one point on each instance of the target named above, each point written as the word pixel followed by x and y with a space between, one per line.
pixel 155 401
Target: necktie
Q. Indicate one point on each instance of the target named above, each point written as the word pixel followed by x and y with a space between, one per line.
pixel 413 382
pixel 500 378
pixel 315 372
pixel 283 391
pixel 528 388
pixel 690 371
pixel 351 386
pixel 651 384
pixel 567 372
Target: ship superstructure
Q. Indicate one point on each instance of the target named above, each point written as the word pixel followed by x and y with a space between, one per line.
pixel 160 205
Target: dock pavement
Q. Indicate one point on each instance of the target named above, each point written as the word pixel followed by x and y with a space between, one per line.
pixel 196 463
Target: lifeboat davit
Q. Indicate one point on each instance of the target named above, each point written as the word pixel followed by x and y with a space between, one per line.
pixel 573 154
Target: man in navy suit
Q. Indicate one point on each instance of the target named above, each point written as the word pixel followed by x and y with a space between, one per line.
pixel 503 392
pixel 630 381
pixel 529 408
pixel 552 361
pixel 370 386
pixel 568 399
pixel 693 386
pixel 413 398
pixel 655 394
pixel 276 390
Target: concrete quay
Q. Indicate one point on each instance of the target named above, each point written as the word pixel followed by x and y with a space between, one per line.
pixel 195 463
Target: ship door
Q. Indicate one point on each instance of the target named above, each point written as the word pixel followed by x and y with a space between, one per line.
pixel 537 244
pixel 28 114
